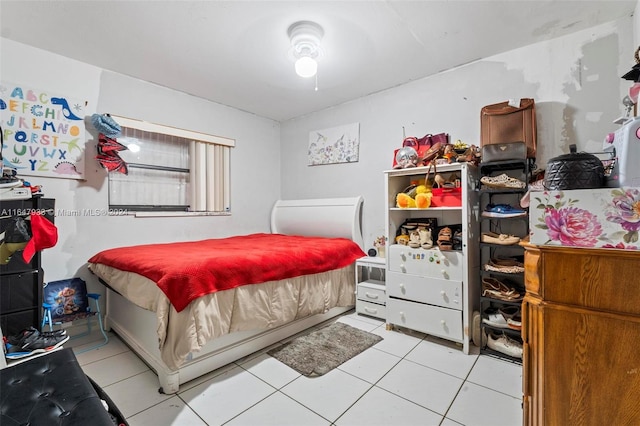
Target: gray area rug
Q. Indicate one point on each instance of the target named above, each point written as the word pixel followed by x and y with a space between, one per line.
pixel 322 350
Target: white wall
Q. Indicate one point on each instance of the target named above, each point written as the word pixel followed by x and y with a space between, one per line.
pixel 255 171
pixel 575 81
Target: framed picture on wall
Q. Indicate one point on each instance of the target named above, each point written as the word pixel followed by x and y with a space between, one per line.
pixel 340 144
pixel 43 132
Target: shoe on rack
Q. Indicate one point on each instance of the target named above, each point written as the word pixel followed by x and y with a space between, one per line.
pixel 494 318
pixel 496 289
pixel 515 322
pixel 444 239
pixel 34 342
pixel 504 344
pixel 506 266
pixel 502 181
pixel 502 210
pixel 502 239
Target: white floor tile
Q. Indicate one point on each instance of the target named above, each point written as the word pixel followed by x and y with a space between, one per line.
pixel 396 342
pixel 370 320
pixel 136 393
pixel 278 410
pixel 206 377
pixel 425 386
pixel 172 412
pixel 449 422
pixel 379 407
pixel 502 376
pixel 225 396
pixel 478 406
pixel 114 347
pixel 329 395
pixel 115 368
pixel 444 357
pixel 357 323
pixel 270 370
pixel 370 365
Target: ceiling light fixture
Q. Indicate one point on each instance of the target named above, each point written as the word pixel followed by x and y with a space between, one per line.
pixel 305 46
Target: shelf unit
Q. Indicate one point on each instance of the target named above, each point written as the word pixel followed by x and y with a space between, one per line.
pixel 518 226
pixel 370 287
pixel 429 290
pixel 21 283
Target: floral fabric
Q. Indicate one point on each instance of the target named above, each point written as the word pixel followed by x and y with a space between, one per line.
pixel 603 218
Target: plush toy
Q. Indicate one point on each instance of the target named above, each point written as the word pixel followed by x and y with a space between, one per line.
pixel 423 200
pixel 404 201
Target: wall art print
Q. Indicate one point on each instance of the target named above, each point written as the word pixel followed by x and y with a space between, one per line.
pixel 44 132
pixel 339 144
pixel 602 218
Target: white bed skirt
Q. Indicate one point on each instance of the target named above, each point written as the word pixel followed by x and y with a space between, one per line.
pixel 136 327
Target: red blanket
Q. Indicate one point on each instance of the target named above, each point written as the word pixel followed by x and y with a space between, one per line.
pixel 188 270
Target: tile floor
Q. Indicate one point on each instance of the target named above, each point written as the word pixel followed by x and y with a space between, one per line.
pixel 406 379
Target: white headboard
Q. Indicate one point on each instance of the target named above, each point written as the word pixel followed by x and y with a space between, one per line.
pixel 321 217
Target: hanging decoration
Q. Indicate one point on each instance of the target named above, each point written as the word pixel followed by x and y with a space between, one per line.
pixel 108 147
pixel 44 133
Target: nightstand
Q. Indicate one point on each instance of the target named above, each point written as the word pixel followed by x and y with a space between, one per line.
pixel 370 287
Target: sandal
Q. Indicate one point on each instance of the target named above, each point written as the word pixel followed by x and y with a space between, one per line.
pixel 444 239
pixel 457 240
pixel 426 239
pixel 496 289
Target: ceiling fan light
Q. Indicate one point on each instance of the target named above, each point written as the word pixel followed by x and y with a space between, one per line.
pixel 306 67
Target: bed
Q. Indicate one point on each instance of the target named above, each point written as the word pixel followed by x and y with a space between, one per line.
pixel 183 335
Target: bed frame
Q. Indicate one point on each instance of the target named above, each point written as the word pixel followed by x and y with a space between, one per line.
pixel 334 217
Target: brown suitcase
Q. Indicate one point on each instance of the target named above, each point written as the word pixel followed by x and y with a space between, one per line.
pixel 501 123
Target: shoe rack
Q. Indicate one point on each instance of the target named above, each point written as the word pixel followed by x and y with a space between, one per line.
pixel 433 288
pixel 511 226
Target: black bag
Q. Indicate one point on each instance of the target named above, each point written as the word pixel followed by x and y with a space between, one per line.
pixel 574 171
pixel 18 230
pixel 504 151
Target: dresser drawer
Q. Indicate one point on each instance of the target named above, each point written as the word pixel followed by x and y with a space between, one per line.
pixel 20 291
pixel 433 320
pixel 427 290
pixel 371 309
pixel 428 263
pixel 371 293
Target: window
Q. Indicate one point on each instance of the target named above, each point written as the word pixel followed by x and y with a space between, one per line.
pixel 171 170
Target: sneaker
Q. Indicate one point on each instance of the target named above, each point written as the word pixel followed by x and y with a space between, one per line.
pixel 502 210
pixel 495 318
pixel 34 342
pixel 502 239
pixel 515 322
pixel 18 339
pixel 502 181
pixel 505 345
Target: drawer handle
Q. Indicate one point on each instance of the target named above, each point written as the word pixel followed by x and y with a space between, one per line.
pixel 371 311
pixel 443 293
pixel 371 296
pixel 443 322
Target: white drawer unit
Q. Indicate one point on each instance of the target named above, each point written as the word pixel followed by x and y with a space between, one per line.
pixel 433 291
pixel 434 320
pixel 371 292
pixel 428 263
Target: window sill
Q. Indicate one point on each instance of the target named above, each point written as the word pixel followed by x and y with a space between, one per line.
pixel 179 214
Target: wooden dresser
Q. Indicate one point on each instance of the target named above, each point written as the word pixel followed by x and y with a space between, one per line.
pixel 581 334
